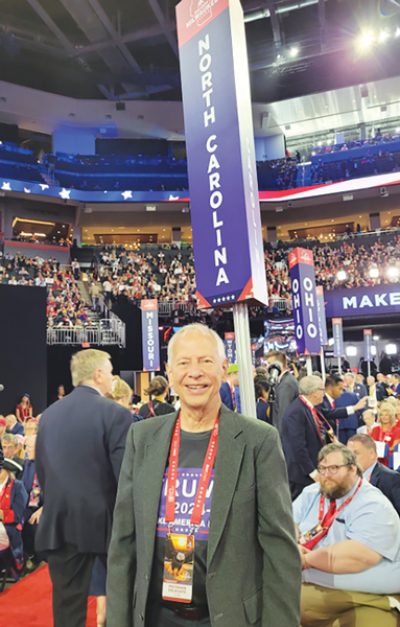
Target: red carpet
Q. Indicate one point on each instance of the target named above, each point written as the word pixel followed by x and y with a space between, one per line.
pixel 28 603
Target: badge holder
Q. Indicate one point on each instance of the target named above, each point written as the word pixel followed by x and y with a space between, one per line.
pixel 178 567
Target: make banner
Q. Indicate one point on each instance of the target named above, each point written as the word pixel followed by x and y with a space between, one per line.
pixel 368 344
pixel 224 205
pixel 302 276
pixel 337 330
pixel 150 341
pixel 323 333
pixel 230 347
pixel 363 301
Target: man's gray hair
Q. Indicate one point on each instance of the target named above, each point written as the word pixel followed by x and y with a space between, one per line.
pixel 309 384
pixel 200 328
pixel 347 454
pixel 10 438
pixel 349 375
pixel 85 363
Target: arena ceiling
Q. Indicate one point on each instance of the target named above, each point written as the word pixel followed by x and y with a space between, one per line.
pixel 127 49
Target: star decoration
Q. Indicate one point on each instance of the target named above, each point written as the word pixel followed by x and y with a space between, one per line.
pixel 126 195
pixel 26 190
pixel 6 186
pixel 43 186
pixel 65 193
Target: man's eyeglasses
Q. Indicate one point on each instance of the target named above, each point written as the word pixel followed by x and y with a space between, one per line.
pixel 331 469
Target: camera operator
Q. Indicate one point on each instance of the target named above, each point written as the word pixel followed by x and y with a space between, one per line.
pixel 286 387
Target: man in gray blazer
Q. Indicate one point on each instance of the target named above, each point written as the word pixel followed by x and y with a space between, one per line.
pixel 246 568
pixel 286 389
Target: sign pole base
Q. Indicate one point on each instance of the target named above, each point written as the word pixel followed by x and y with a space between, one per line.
pixel 322 357
pixel 243 351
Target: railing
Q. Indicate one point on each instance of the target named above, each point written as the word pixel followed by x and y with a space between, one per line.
pixel 106 333
pixel 167 307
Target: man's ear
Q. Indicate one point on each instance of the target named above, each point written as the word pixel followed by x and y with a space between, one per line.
pixel 169 375
pixel 225 365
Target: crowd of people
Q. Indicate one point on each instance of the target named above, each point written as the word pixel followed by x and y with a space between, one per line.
pixel 339 438
pixel 367 165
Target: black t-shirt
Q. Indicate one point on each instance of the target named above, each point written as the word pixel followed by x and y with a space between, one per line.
pixel 192 453
pixel 159 408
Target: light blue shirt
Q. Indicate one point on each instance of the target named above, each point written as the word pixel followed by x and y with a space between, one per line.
pixel 370 519
pixel 367 473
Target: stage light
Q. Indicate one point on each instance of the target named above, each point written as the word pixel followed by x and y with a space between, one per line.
pixel 341 275
pixel 397 33
pixel 375 338
pixel 383 35
pixel 397 129
pixel 351 351
pixel 391 349
pixel 374 273
pixel 366 40
pixel 294 51
pixel 373 351
pixel 393 272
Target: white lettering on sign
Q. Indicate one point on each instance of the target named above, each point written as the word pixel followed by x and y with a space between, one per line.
pixel 150 337
pixel 308 309
pixel 376 300
pixel 214 182
pixel 349 302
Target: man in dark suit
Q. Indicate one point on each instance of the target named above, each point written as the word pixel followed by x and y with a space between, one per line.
pixel 79 450
pixel 246 561
pixel 304 433
pixel 387 480
pixel 328 407
pixel 286 390
pixel 357 387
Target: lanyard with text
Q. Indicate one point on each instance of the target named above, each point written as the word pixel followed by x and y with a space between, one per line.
pixel 314 535
pixel 180 548
pixel 204 479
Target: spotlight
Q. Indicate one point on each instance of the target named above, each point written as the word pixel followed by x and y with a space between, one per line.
pixel 383 35
pixel 294 51
pixel 373 351
pixel 397 129
pixel 366 39
pixel 374 273
pixel 393 272
pixel 375 338
pixel 397 33
pixel 351 351
pixel 391 349
pixel 341 275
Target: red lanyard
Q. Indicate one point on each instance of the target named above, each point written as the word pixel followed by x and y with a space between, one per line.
pixel 385 434
pixel 328 523
pixel 317 420
pixel 204 479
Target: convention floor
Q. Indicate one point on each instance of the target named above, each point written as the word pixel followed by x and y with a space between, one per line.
pixel 28 603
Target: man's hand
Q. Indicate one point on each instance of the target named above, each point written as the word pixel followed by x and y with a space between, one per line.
pixel 35 518
pixel 361 403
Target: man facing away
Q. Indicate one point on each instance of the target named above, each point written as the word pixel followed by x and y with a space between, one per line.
pixel 349 540
pixel 220 549
pixel 286 390
pixel 79 450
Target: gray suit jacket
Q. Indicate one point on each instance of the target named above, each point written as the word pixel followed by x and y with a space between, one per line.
pixel 286 391
pixel 253 563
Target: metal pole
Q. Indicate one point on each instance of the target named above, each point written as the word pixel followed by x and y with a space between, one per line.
pixel 243 350
pixel 339 361
pixel 322 357
pixel 369 367
pixel 309 365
